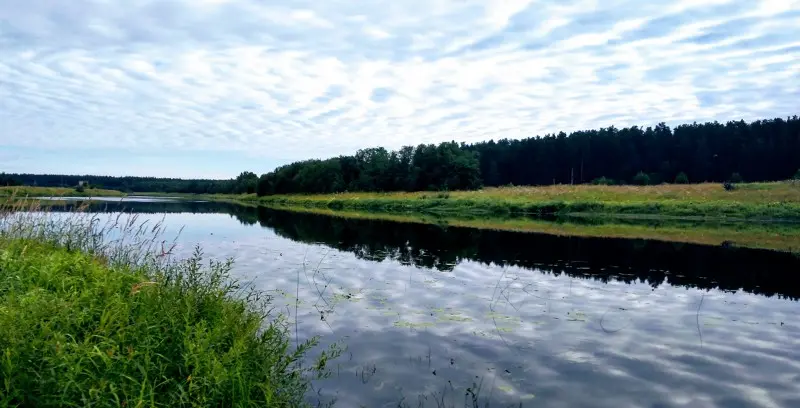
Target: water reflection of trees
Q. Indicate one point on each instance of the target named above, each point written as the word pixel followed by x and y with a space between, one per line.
pixel 757 271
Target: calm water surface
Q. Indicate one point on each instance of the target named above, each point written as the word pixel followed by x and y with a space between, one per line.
pixel 432 315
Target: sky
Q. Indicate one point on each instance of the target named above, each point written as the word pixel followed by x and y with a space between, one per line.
pixel 210 88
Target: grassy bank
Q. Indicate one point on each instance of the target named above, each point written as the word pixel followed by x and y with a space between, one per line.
pixel 773 236
pixel 29 191
pixel 89 321
pixel 754 201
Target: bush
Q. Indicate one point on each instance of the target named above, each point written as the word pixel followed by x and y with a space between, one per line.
pixel 681 178
pixel 736 178
pixel 105 330
pixel 603 181
pixel 79 189
pixel 728 186
pixel 796 175
pixel 641 178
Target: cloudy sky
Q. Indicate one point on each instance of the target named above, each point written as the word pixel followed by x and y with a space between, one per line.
pixel 208 88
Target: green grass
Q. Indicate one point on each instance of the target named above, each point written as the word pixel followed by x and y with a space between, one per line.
pixel 774 236
pixel 780 201
pixel 87 319
pixel 29 191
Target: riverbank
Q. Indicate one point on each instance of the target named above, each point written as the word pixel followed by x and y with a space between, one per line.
pixel 87 323
pixel 31 191
pixel 754 201
pixel 773 236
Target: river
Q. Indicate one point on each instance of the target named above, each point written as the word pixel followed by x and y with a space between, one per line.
pixel 438 316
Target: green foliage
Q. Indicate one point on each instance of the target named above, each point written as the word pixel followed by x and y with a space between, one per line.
pixel 641 178
pixel 681 178
pixel 447 166
pixel 603 181
pixel 8 180
pixel 79 189
pixel 245 183
pixel 111 330
pixel 242 184
pixel 796 175
pixel 729 186
pixel 762 150
pixel 736 178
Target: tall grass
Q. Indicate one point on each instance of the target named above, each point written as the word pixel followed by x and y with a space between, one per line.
pixel 98 313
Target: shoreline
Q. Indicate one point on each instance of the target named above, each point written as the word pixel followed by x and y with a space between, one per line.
pixel 755 215
pixel 755 202
pixel 776 237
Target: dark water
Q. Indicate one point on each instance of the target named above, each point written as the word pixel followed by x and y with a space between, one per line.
pixel 432 315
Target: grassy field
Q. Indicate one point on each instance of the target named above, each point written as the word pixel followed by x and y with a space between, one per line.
pixel 755 201
pixel 773 236
pixel 90 322
pixel 29 191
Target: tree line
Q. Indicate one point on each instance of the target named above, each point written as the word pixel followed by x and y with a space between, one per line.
pixel 447 166
pixel 737 151
pixel 762 150
pixel 244 183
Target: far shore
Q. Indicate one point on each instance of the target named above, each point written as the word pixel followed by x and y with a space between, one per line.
pixel 756 215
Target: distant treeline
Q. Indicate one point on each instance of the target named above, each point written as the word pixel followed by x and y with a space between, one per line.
pixel 245 183
pixel 425 167
pixel 764 150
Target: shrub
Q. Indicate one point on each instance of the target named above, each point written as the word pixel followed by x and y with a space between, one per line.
pixel 728 186
pixel 736 178
pixel 641 178
pixel 681 178
pixel 603 181
pixel 79 189
pixel 796 175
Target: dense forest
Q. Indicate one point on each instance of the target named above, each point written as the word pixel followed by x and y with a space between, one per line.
pixel 737 151
pixel 762 150
pixel 426 167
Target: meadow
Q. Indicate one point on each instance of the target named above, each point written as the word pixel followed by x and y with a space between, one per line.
pixel 99 314
pixel 752 201
pixel 773 236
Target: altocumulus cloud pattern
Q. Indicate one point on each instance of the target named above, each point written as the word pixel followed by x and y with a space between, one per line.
pixel 277 81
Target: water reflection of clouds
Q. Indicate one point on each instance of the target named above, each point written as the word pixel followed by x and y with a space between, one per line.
pixel 555 339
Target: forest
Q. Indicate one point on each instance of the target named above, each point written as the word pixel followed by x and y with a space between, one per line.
pixel 737 151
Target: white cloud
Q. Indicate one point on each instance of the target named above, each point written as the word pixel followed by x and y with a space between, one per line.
pixel 299 78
